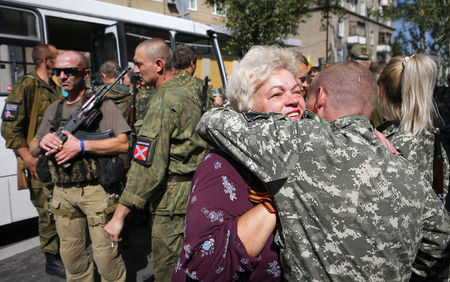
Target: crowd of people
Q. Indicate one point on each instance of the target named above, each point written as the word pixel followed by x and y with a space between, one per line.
pixel 338 174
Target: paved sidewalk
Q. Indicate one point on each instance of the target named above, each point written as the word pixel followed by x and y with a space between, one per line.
pixel 23 261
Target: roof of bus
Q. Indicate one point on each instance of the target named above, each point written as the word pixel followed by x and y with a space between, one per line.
pixel 110 11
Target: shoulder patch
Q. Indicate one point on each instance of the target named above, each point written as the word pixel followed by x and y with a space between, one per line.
pixel 141 153
pixel 10 112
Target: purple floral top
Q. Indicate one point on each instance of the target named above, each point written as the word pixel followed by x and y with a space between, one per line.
pixel 212 250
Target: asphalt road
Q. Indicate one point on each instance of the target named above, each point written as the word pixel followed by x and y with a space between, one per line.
pixel 29 264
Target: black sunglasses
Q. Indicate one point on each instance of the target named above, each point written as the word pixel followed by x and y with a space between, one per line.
pixel 68 71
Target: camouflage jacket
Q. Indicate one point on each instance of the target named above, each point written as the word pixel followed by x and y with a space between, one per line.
pixel 195 85
pixel 418 149
pixel 142 104
pixel 15 131
pixel 121 96
pixel 169 145
pixel 349 210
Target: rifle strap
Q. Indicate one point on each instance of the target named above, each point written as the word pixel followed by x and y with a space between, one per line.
pixel 58 115
pixel 34 111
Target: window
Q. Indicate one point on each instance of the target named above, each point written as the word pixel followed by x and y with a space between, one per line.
pixel 372 38
pixel 341 3
pixel 340 53
pixel 357 29
pixel 219 9
pixel 192 5
pixel 353 5
pixel 362 8
pixel 340 29
pixel 384 38
pixel 18 24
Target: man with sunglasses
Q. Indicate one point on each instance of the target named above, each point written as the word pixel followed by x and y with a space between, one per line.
pixel 22 115
pixel 80 204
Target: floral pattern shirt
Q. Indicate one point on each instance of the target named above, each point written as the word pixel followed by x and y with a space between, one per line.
pixel 212 250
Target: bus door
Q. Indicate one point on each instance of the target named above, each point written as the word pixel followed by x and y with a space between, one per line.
pixel 95 37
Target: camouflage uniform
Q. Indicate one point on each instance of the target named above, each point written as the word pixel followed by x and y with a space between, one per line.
pixel 173 149
pixel 142 104
pixel 418 149
pixel 121 96
pixel 15 134
pixel 349 210
pixel 195 85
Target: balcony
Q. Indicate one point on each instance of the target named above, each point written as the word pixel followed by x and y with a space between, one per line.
pixel 356 39
pixel 383 48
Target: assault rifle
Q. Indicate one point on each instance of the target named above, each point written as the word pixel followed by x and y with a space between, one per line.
pixel 87 114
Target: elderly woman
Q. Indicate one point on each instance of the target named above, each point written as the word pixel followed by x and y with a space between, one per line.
pixel 230 221
pixel 406 97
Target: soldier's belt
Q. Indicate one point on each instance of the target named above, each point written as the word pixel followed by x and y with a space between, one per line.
pixel 179 177
pixel 78 184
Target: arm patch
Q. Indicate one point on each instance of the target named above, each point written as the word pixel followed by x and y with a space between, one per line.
pixel 143 153
pixel 10 112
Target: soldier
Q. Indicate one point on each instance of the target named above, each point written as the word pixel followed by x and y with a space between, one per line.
pixel 120 93
pixel 185 66
pixel 24 109
pixel 166 155
pixel 349 210
pixel 80 203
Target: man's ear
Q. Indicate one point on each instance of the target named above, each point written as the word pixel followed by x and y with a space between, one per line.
pixel 321 98
pixel 160 64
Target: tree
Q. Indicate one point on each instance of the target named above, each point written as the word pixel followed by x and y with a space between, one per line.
pixel 260 22
pixel 426 27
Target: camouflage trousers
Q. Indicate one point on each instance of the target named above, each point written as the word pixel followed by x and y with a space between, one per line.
pixel 167 241
pixel 77 212
pixel 47 231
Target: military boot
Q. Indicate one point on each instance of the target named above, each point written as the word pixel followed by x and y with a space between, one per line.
pixel 54 265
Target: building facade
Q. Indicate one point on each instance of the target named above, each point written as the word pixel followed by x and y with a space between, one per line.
pixel 359 32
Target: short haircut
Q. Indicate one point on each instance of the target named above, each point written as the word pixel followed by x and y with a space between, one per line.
pixel 254 70
pixel 157 48
pixel 407 85
pixel 82 60
pixel 184 55
pixel 40 51
pixel 110 69
pixel 377 67
pixel 351 88
pixel 313 69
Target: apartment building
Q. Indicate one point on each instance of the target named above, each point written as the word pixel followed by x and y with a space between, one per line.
pixel 357 33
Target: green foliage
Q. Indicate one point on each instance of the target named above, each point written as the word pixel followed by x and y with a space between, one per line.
pixel 426 27
pixel 261 22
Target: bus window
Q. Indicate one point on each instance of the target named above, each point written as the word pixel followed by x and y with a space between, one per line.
pixel 135 34
pixel 105 49
pixel 18 24
pixel 15 61
pixel 201 45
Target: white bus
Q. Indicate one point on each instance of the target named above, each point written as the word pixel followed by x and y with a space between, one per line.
pixel 103 32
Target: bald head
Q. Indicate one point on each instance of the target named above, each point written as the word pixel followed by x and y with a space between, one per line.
pixel 350 88
pixel 77 59
pixel 157 48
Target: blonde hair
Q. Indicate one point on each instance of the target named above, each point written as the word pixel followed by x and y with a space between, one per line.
pixel 407 86
pixel 254 70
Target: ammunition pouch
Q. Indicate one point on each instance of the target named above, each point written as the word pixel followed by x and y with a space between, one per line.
pixel 43 169
pixel 111 170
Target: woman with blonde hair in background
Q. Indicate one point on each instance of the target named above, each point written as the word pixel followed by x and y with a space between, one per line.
pixel 406 96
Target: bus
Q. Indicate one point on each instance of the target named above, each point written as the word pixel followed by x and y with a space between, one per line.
pixel 102 31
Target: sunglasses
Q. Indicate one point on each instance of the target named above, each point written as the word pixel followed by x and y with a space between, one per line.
pixel 68 71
